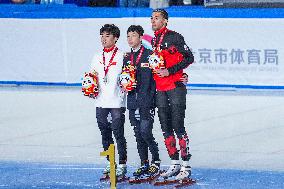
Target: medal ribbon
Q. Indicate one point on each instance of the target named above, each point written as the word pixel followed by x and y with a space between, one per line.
pixel 106 68
pixel 138 57
pixel 157 46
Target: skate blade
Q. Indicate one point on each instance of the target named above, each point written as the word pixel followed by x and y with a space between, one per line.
pixel 104 178
pixel 185 182
pixel 139 180
pixel 118 179
pixel 166 182
pixel 122 179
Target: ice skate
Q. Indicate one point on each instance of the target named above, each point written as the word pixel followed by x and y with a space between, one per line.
pixel 106 170
pixel 185 173
pixel 141 171
pixel 184 176
pixel 120 173
pixel 147 174
pixel 173 170
pixel 154 170
pixel 106 173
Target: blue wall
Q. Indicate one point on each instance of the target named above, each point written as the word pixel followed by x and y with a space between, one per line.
pixel 73 11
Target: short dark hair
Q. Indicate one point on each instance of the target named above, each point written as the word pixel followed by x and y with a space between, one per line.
pixel 163 12
pixel 111 29
pixel 136 28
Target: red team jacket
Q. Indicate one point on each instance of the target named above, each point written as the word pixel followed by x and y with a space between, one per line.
pixel 177 56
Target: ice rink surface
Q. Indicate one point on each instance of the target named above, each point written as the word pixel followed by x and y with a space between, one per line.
pixel 49 139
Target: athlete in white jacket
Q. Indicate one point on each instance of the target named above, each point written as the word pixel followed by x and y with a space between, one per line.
pixel 110 94
pixel 108 65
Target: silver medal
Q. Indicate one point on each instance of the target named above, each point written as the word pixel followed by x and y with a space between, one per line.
pixel 105 79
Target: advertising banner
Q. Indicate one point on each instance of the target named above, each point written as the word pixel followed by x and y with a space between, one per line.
pixel 228 51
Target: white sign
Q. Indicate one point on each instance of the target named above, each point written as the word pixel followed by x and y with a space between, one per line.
pixel 227 51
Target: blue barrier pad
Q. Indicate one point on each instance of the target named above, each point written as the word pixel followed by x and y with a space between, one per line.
pixel 68 11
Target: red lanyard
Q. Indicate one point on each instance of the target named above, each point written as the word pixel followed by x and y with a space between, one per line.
pixel 106 68
pixel 138 57
pixel 157 46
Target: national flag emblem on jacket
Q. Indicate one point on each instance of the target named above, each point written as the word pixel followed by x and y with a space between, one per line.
pixel 90 84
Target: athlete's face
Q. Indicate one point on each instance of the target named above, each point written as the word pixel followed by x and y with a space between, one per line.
pixel 108 40
pixel 158 21
pixel 133 39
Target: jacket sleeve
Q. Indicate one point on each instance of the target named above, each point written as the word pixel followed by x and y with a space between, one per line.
pixel 182 48
pixel 94 62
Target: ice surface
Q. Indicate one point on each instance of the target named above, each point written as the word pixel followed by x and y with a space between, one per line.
pixel 230 131
pixel 227 129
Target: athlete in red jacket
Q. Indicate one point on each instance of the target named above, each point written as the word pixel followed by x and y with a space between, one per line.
pixel 172 50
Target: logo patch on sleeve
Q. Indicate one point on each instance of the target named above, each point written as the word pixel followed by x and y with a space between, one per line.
pixel 186 47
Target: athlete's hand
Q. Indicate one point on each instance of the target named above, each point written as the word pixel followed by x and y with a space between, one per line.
pixel 92 96
pixel 184 78
pixel 163 72
pixel 123 90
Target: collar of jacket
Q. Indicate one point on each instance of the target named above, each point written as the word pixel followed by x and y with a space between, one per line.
pixel 136 49
pixel 160 31
pixel 107 50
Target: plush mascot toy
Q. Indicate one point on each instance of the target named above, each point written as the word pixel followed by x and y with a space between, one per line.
pixel 127 78
pixel 156 62
pixel 90 84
